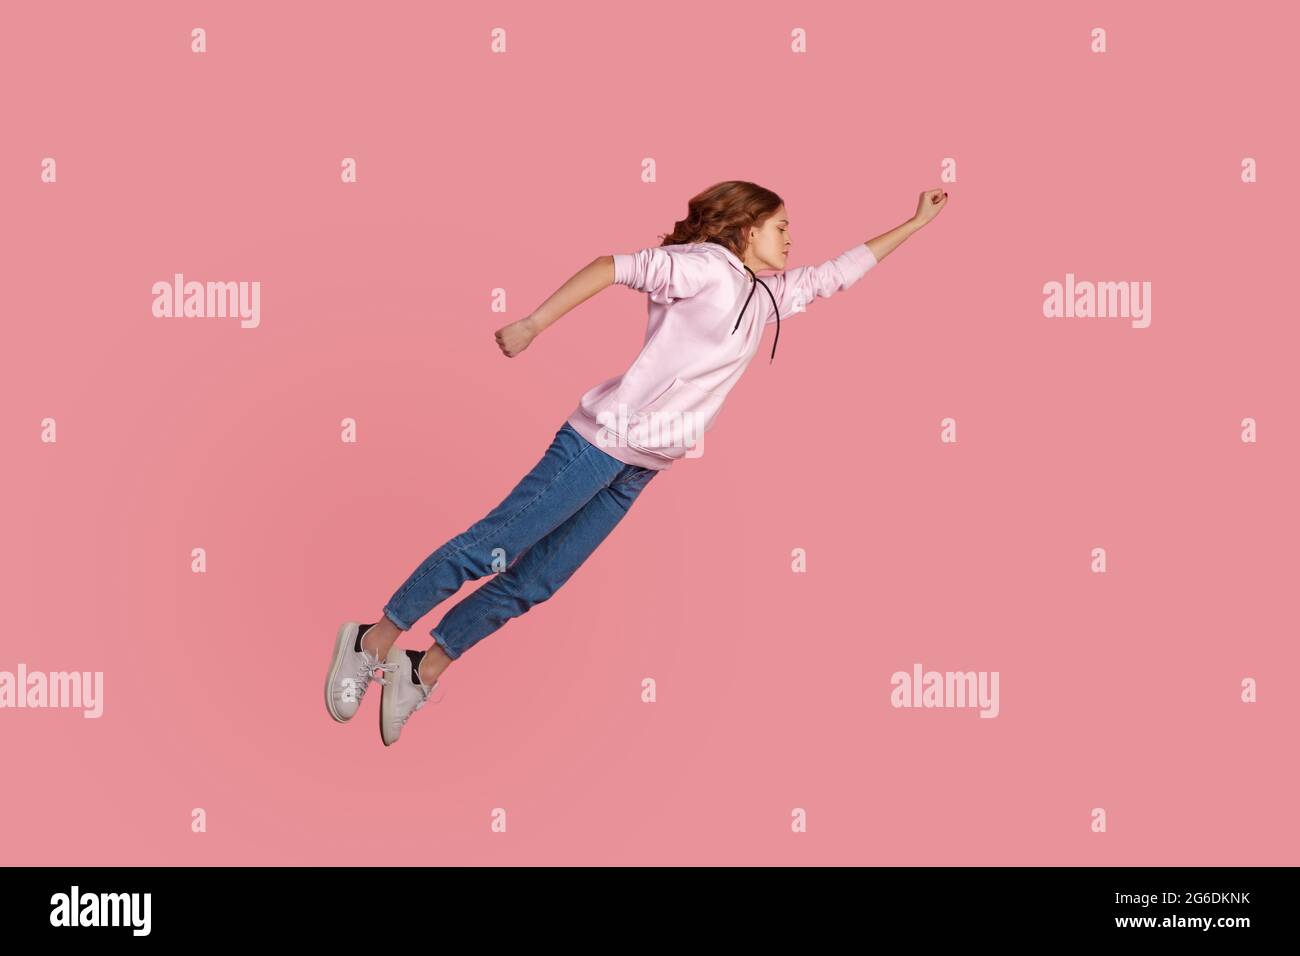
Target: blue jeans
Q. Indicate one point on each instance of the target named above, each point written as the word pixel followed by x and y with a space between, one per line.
pixel 536 538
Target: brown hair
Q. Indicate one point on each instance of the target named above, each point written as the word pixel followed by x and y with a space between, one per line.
pixel 722 213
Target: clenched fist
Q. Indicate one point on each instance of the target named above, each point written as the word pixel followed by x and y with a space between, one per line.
pixel 928 206
pixel 516 336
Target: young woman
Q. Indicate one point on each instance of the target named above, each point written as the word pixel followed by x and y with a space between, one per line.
pixel 702 333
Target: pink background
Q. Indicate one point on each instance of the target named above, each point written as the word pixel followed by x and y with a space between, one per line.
pixel 478 171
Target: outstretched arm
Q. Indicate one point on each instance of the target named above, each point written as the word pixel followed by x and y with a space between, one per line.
pixel 796 289
pixel 586 282
pixel 664 273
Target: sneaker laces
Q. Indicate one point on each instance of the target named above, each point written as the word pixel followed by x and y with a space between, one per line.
pixel 379 668
pixel 360 683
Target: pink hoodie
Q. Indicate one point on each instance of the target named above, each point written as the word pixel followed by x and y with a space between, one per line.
pixel 658 410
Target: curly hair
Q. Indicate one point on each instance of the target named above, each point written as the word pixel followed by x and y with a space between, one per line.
pixel 722 213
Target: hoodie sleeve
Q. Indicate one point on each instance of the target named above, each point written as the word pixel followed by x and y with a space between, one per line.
pixel 664 272
pixel 795 289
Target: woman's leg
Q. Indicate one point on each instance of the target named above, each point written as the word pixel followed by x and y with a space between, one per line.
pixel 536 575
pixel 570 472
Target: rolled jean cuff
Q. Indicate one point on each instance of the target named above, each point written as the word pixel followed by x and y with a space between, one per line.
pixel 396 620
pixel 446 648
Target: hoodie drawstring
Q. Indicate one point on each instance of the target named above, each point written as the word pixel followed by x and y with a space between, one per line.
pixel 774 306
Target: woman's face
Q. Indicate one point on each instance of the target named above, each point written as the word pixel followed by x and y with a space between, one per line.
pixel 769 243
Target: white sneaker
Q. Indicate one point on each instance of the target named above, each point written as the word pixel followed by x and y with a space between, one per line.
pixel 350 673
pixel 403 694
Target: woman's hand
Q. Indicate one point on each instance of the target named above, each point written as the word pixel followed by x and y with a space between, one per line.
pixel 516 336
pixel 928 206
